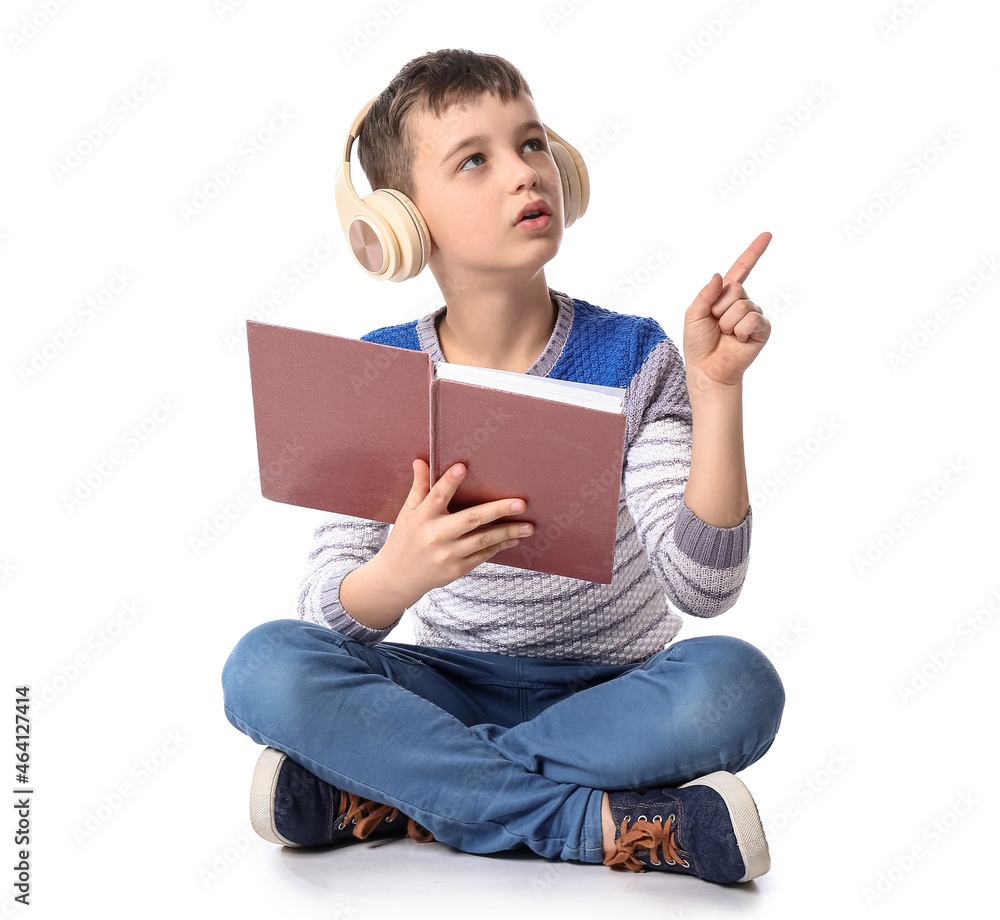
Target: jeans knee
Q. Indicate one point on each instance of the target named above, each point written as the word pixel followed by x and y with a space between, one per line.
pixel 755 671
pixel 741 687
pixel 256 655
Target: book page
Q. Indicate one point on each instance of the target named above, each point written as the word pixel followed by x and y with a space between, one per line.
pixel 589 395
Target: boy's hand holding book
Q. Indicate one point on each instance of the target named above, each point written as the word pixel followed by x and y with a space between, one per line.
pixel 428 547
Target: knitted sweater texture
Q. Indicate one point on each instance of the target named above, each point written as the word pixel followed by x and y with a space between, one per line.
pixel 664 554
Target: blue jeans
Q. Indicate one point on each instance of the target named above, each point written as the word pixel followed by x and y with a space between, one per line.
pixel 491 752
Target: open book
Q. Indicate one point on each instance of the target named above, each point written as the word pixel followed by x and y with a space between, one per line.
pixel 340 421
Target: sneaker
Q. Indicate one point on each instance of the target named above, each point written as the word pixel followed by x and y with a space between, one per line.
pixel 291 806
pixel 708 827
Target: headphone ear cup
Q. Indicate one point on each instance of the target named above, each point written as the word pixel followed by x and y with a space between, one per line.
pixel 575 183
pixel 389 237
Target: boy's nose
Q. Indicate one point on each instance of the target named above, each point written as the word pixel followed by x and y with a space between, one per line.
pixel 524 176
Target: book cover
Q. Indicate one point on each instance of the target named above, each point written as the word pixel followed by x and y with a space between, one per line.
pixel 339 422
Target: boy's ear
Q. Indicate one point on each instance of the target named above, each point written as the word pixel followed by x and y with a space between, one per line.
pixel 388 236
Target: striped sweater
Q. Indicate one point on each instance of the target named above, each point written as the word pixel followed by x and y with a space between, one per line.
pixel 663 552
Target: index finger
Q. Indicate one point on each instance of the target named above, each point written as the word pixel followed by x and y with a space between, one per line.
pixel 446 485
pixel 741 267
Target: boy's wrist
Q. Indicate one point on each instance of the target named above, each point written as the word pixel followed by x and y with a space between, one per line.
pixel 702 388
pixel 370 597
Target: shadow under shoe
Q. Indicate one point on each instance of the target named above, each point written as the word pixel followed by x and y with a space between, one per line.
pixel 295 808
pixel 709 828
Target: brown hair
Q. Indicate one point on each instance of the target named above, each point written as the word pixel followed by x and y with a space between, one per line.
pixel 432 83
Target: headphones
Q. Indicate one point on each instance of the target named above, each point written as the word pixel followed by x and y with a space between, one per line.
pixel 386 233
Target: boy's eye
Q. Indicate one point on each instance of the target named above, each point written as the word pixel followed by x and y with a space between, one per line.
pixel 536 140
pixel 465 163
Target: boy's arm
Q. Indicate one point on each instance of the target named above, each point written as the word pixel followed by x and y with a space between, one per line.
pixel 723 333
pixel 717 490
pixel 685 475
pixel 700 567
pixel 343 544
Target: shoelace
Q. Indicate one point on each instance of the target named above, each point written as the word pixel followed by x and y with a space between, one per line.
pixel 367 815
pixel 646 835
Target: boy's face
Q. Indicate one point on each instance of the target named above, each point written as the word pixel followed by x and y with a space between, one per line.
pixel 473 196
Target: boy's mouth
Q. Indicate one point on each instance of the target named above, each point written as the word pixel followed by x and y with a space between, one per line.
pixel 533 210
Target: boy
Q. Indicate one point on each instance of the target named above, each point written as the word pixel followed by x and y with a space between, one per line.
pixel 535 710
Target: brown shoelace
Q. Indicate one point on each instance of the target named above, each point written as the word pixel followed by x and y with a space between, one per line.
pixel 368 815
pixel 645 835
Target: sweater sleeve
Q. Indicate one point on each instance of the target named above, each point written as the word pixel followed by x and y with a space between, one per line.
pixel 342 543
pixel 701 568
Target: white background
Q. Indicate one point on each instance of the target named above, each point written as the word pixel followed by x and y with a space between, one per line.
pixel 844 445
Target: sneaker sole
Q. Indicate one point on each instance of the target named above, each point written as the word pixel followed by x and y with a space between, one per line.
pixel 265 781
pixel 746 821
